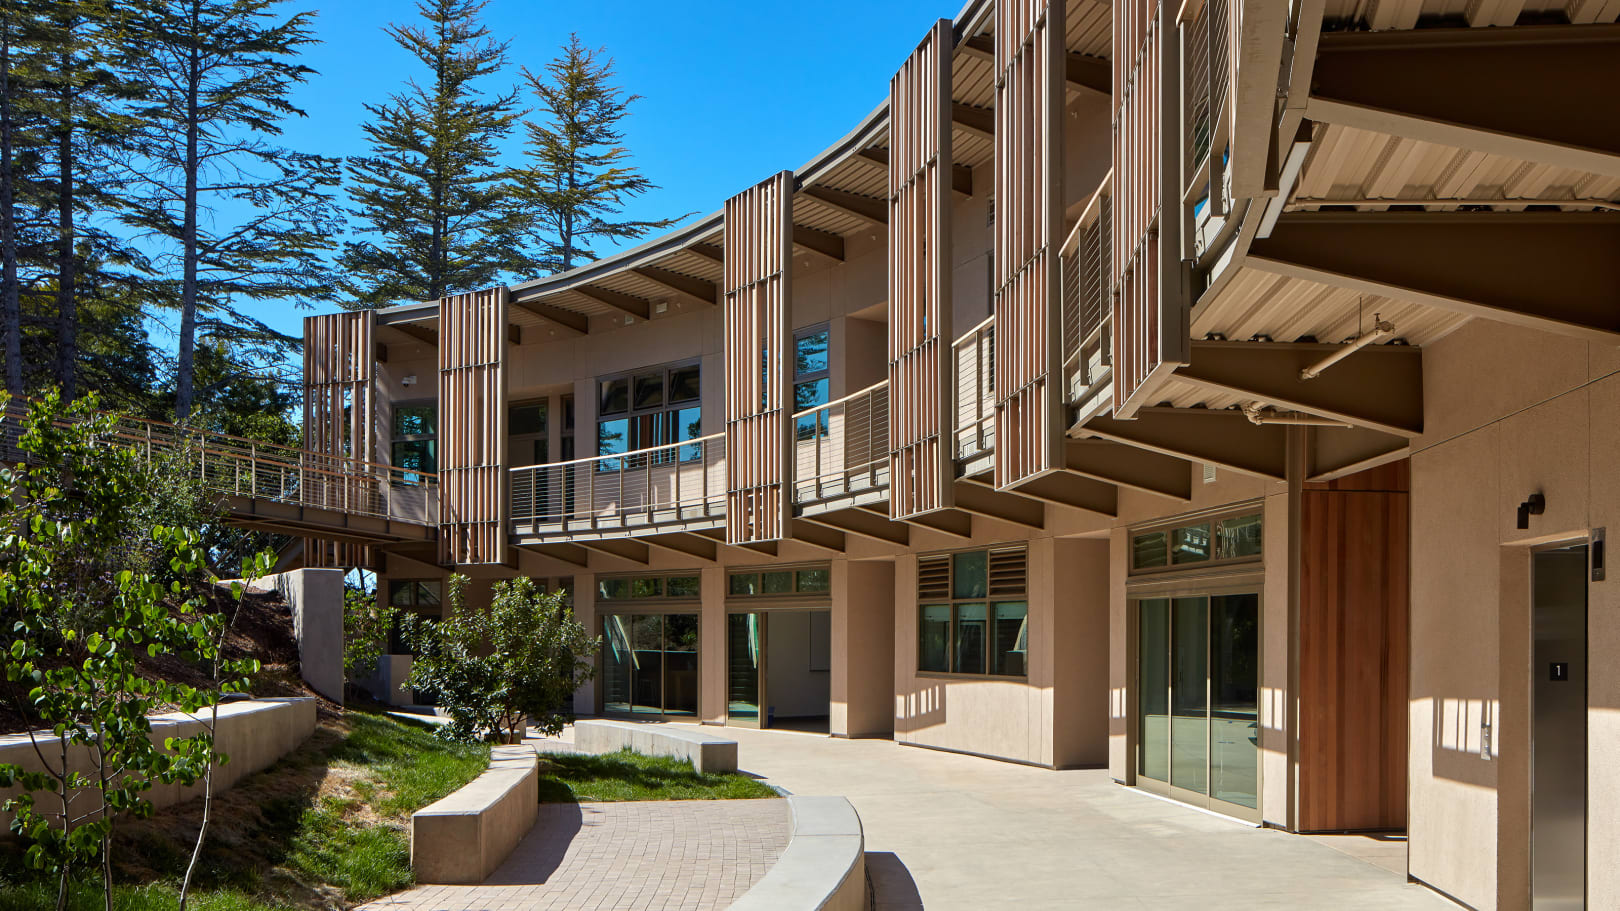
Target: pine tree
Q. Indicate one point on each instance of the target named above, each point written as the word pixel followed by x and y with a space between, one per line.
pixel 579 174
pixel 10 288
pixel 432 203
pixel 241 219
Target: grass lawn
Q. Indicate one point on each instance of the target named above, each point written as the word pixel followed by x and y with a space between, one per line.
pixel 627 775
pixel 325 828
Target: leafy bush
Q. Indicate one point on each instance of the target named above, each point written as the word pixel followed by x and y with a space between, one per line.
pixel 492 670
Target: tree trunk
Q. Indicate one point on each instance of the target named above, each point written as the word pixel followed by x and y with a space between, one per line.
pixel 188 287
pixel 10 293
pixel 208 796
pixel 67 304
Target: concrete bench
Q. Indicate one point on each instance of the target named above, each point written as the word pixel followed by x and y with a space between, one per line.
pixel 464 837
pixel 706 752
pixel 823 867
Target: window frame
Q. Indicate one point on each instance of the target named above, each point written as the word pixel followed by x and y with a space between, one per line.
pixel 631 413
pixel 634 604
pixel 416 608
pixel 404 475
pixel 762 598
pixel 1252 509
pixel 988 600
pixel 824 374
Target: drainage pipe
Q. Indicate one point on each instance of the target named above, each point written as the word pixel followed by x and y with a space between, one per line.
pixel 1381 328
pixel 1256 414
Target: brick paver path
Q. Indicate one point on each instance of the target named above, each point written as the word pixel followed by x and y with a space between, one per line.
pixel 672 855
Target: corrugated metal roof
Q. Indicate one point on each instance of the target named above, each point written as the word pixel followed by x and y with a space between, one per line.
pixel 1089 28
pixel 1405 14
pixel 1349 163
pixel 1287 309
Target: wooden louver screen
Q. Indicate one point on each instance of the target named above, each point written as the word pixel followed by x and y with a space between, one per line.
pixel 1008 569
pixel 920 379
pixel 934 577
pixel 1150 317
pixel 1030 62
pixel 340 373
pixel 758 344
pixel 472 428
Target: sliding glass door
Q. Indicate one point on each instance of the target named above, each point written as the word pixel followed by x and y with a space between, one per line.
pixel 650 664
pixel 1198 699
pixel 745 652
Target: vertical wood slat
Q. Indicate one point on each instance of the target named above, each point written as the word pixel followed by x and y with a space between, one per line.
pixel 1150 337
pixel 340 374
pixel 1030 64
pixel 920 381
pixel 472 428
pixel 758 350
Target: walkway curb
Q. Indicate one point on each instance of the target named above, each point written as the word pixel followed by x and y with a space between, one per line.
pixel 464 837
pixel 823 867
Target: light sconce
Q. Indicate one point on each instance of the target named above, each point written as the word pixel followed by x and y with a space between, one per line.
pixel 1535 506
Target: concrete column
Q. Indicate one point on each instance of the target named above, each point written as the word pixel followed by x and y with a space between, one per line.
pixel 914 702
pixel 1121 660
pixel 585 613
pixel 1080 635
pixel 712 650
pixel 863 679
pixel 1042 656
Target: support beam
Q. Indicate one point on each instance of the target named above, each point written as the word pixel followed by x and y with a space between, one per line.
pixel 759 547
pixel 1552 271
pixel 572 554
pixel 961 174
pixel 1083 71
pixel 980 122
pixel 945 521
pixel 1074 491
pixel 1339 451
pixel 1379 387
pixel 688 545
pixel 1127 466
pixel 420 333
pixel 872 211
pixel 1258 56
pixel 1507 91
pixel 709 252
pixel 570 323
pixel 982 499
pixel 821 243
pixel 623 548
pixel 618 300
pixel 697 290
pixel 1224 438
pixel 818 536
pixel 863 523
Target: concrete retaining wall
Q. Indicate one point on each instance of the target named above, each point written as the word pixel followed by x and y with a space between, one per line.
pixel 316 599
pixel 823 867
pixel 253 734
pixel 464 837
pixel 706 752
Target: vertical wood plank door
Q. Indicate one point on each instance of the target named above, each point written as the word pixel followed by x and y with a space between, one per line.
pixel 758 346
pixel 920 382
pixel 1030 61
pixel 340 381
pixel 1150 309
pixel 472 428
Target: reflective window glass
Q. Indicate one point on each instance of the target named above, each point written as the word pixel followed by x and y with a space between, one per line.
pixel 527 419
pixel 968 574
pixel 646 588
pixel 1009 648
pixel 810 353
pixel 649 391
pixel 1239 537
pixel 745 584
pixel 683 384
pixel 933 638
pixel 777 583
pixel 1190 544
pixel 415 420
pixel 683 587
pixel 615 396
pixel 815 580
pixel 1148 550
pixel 613 589
pixel 970 638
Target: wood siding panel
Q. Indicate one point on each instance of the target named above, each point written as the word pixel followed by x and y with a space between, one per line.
pixel 920 376
pixel 340 406
pixel 472 428
pixel 758 346
pixel 1353 652
pixel 1150 308
pixel 1030 68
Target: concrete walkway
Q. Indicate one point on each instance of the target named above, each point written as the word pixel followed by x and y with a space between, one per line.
pixel 676 855
pixel 945 832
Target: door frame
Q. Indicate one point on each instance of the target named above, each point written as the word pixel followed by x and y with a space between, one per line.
pixel 1584 541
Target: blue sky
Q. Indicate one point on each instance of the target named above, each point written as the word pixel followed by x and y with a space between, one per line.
pixel 732 91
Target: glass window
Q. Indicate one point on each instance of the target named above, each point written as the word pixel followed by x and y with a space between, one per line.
pixel 810 353
pixel 1239 536
pixel 523 420
pixel 1148 550
pixel 683 587
pixel 1009 649
pixel 968 571
pixel 933 638
pixel 662 408
pixel 745 584
pixel 683 384
pixel 810 382
pixel 415 596
pixel 778 583
pixel 1190 544
pixel 615 396
pixel 646 588
pixel 414 449
pixel 613 589
pixel 969 638
pixel 416 456
pixel 415 420
pixel 815 580
pixel 649 391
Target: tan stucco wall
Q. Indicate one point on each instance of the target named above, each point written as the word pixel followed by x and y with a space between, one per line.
pixel 862 649
pixel 1510 412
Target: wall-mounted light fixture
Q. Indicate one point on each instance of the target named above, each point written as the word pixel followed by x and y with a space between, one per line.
pixel 1535 506
pixel 408 381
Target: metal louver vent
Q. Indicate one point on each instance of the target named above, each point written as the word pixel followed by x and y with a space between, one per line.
pixel 933 577
pixel 1009 567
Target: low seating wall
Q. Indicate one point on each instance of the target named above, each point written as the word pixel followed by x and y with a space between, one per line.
pixel 253 734
pixel 464 837
pixel 707 752
pixel 823 867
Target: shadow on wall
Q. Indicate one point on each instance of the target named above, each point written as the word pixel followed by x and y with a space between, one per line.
pixel 923 707
pixel 893 889
pixel 1456 740
pixel 541 851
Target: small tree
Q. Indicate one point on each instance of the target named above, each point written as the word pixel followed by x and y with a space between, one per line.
pixel 519 661
pixel 367 621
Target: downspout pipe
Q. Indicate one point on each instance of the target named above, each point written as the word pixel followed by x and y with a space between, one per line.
pixel 1380 329
pixel 1256 413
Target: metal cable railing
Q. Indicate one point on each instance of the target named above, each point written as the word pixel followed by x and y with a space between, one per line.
pixel 676 482
pixel 975 357
pixel 239 467
pixel 842 447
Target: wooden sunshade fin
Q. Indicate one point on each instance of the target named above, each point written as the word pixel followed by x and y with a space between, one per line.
pixel 340 405
pixel 472 427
